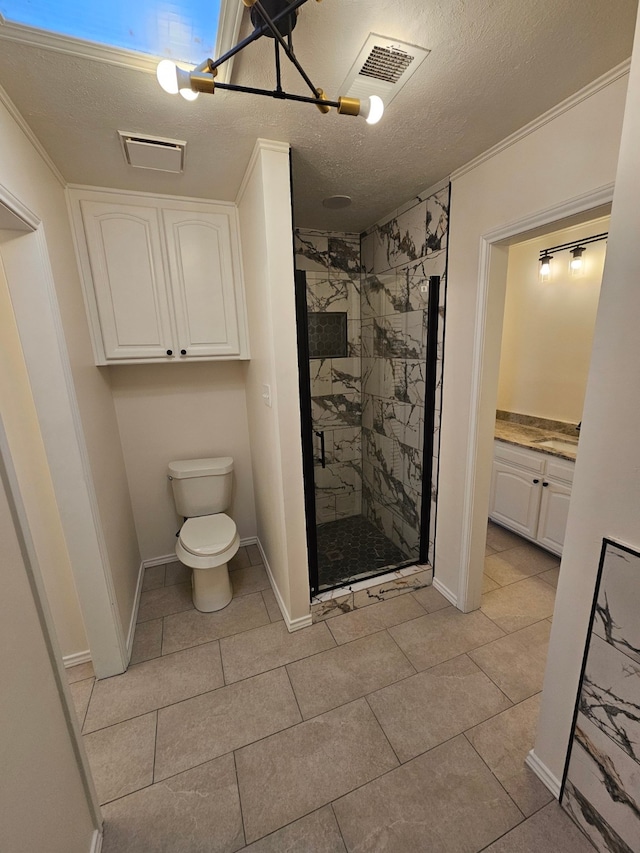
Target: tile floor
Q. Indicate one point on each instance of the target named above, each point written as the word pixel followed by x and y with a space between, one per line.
pixel 399 726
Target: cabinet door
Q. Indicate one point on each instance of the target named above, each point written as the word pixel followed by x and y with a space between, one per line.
pixel 203 285
pixel 515 498
pixel 125 253
pixel 554 509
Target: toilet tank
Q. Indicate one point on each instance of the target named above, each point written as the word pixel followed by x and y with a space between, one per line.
pixel 201 486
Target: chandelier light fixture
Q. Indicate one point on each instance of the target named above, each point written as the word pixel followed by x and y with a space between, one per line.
pixel 577 249
pixel 275 19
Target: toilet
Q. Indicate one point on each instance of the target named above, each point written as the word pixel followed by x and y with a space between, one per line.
pixel 208 539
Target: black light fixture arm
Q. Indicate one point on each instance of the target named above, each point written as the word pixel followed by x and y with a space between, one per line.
pixel 575 244
pixel 279 94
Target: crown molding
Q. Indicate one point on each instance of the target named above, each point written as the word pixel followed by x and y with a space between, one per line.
pixel 20 120
pixel 592 88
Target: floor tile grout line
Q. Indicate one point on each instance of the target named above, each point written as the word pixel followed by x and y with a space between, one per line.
pixel 155 749
pixel 386 736
pixel 86 710
pixel 524 817
pixel 335 817
pixel 295 695
pixel 244 828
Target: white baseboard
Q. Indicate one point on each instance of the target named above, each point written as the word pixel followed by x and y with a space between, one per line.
pixel 543 773
pixel 249 540
pixel 76 659
pixel 96 841
pixel 134 612
pixel 292 624
pixel 444 590
pixel 171 558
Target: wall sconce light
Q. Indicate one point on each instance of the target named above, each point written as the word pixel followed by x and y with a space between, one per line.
pixel 274 19
pixel 577 250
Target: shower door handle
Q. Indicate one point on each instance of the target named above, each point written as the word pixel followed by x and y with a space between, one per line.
pixel 323 460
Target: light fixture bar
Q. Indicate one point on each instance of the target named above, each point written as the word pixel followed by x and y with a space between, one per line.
pixel 575 244
pixel 278 95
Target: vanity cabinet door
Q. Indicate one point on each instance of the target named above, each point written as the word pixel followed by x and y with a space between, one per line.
pixel 124 248
pixel 201 267
pixel 554 509
pixel 515 498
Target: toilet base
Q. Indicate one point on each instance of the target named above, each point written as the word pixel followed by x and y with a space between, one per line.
pixel 211 588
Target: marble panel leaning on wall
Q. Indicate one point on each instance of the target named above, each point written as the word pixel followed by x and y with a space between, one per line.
pixel 602 785
pixel 332 265
pixel 398 257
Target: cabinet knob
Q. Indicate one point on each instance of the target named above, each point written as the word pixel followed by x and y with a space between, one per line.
pixel 536 482
pixel 545 485
pixel 169 352
pixel 183 352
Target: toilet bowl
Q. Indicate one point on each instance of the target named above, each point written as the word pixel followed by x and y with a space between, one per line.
pixel 208 539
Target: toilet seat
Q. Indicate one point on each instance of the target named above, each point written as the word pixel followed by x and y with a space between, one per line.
pixel 207 541
pixel 208 535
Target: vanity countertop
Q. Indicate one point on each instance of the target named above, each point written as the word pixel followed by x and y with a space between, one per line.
pixel 560 438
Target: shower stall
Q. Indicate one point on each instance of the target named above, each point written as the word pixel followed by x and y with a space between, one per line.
pixel 370 312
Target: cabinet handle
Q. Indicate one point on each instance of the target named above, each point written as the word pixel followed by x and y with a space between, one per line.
pixel 536 482
pixel 545 485
pixel 169 352
pixel 183 352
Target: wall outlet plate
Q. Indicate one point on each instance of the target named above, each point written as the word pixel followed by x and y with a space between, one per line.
pixel 266 395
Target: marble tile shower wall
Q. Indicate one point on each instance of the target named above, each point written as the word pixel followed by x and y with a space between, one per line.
pixel 332 264
pixel 398 257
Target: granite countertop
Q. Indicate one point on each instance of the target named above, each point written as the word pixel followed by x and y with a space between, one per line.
pixel 528 431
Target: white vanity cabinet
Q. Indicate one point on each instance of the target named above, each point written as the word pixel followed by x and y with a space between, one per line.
pixel 530 494
pixel 162 277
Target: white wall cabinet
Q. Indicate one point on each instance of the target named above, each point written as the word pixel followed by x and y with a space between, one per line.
pixel 530 494
pixel 162 277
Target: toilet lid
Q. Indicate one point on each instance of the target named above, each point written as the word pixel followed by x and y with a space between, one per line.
pixel 208 535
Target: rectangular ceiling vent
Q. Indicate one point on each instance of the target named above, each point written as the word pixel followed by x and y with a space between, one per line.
pixel 382 68
pixel 153 152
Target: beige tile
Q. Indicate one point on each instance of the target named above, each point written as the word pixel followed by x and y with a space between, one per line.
pixel 218 722
pixel 551 577
pixel 446 801
pixel 191 628
pixel 307 766
pixel 176 573
pixel 443 635
pixel 518 563
pixel 154 684
pixel 322 610
pixel 251 579
pixel 81 693
pixel 548 831
pixel 488 584
pixel 520 604
pixel 347 672
pixel 247 654
pixel 80 672
pixel 516 663
pixel 431 599
pixel 153 578
pixel 164 601
pixel 499 539
pixel 392 589
pixel 433 706
pixel 255 557
pixel 315 833
pixel 240 560
pixel 488 551
pixel 376 617
pixel 273 609
pixel 121 757
pixel 147 641
pixel 195 812
pixel 503 743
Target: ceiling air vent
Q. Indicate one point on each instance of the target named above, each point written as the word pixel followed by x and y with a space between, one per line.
pixel 382 68
pixel 153 152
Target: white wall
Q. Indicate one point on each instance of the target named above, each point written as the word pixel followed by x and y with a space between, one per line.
pixel 44 800
pixel 569 153
pixel 264 205
pixel 180 411
pixel 548 326
pixel 606 491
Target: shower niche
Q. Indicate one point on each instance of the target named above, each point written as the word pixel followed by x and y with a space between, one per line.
pixel 370 313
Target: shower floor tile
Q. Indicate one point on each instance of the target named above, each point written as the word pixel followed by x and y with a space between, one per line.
pixel 353 547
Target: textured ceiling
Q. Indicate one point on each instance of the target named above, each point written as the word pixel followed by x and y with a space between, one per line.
pixel 494 66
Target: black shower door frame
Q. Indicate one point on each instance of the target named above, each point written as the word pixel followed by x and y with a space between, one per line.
pixel 306 420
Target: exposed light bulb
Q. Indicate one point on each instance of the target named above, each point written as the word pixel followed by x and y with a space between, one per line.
pixel 189 94
pixel 545 267
pixel 372 109
pixel 167 74
pixel 576 264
